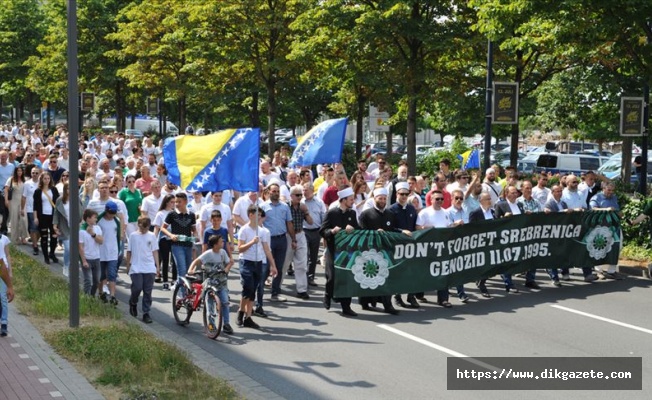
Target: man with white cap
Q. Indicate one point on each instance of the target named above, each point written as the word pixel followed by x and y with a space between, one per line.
pixel 405 218
pixel 340 218
pixel 491 186
pixel 379 218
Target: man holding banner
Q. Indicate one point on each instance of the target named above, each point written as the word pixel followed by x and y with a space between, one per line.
pixel 340 218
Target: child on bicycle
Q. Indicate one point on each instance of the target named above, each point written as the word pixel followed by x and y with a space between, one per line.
pixel 213 260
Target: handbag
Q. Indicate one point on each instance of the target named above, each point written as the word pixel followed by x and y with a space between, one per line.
pixel 10 193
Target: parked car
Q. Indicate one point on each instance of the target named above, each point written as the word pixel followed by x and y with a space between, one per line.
pixel 612 168
pixel 568 163
pixel 138 134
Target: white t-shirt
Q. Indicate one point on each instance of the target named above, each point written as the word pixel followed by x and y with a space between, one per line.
pixel 46 205
pixel 109 248
pixel 91 247
pixel 255 252
pixel 142 246
pixel 151 205
pixel 159 220
pixel 28 192
pixel 241 205
pixel 4 242
pixel 433 218
pixel 223 209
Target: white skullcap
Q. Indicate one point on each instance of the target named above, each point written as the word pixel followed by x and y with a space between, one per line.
pixel 380 192
pixel 274 181
pixel 344 193
pixel 402 185
pixel 490 171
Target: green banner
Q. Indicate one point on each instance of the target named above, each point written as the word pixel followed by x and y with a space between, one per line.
pixel 371 263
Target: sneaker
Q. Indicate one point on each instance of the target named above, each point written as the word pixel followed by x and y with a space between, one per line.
pixel 103 297
pixel 35 251
pixel 227 329
pixel 608 275
pixel 240 318
pixel 590 278
pixel 464 298
pixel 249 323
pixel 290 272
pixel 166 286
pixel 54 258
pixel 147 319
pixel 556 282
pixel 312 282
pixel 3 330
pixel 303 295
pixel 260 312
pixel 133 310
pixel 278 298
pixel 66 273
pixel 114 302
pixel 565 277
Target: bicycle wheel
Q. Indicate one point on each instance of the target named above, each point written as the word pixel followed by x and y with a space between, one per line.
pixel 182 303
pixel 212 314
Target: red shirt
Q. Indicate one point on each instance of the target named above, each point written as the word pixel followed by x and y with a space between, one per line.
pixel 330 195
pixel 447 199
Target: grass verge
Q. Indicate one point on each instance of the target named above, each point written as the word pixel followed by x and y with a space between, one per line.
pixel 120 358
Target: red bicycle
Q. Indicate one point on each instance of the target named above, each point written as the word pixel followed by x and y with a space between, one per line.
pixel 192 293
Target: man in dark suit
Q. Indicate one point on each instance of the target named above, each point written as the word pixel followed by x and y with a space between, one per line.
pixel 485 212
pixel 507 208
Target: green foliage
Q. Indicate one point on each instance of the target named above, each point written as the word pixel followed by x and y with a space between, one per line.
pixel 641 234
pixel 429 164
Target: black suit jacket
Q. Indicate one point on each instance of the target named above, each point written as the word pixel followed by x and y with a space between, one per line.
pixel 502 208
pixel 478 215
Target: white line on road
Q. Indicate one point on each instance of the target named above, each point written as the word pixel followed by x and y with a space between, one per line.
pixel 599 318
pixel 438 347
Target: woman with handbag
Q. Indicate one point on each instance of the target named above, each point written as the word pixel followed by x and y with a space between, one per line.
pixel 45 197
pixel 13 197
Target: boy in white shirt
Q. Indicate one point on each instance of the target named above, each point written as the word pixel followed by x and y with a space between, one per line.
pixel 90 239
pixel 142 267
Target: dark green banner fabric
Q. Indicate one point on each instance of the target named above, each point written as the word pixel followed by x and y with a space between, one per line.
pixel 370 263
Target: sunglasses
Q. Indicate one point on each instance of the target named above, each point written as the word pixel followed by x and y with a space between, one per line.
pixel 403 194
pixel 439 199
pixel 297 194
pixel 459 198
pixel 113 191
pixel 464 177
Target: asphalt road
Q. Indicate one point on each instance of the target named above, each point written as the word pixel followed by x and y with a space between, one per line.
pixel 303 351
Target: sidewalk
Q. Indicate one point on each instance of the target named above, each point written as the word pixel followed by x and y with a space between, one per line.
pixel 244 385
pixel 30 369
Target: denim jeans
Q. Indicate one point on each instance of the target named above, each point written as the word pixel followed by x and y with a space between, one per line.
pixel 66 255
pixel 261 286
pixel 4 302
pixel 109 270
pixel 223 295
pixel 91 276
pixel 182 258
pixel 142 283
pixel 279 246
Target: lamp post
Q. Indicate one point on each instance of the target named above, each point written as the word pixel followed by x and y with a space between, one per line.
pixel 487 110
pixel 73 145
pixel 642 180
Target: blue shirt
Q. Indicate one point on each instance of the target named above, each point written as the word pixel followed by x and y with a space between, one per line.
pixel 276 217
pixel 219 232
pixel 456 215
pixel 602 201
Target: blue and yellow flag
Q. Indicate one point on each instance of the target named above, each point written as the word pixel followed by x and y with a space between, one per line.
pixel 322 144
pixel 227 159
pixel 470 159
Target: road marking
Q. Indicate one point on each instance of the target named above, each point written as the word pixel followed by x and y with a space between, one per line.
pixel 599 318
pixel 438 347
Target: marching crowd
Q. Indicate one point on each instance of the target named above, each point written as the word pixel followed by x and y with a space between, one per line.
pixel 133 215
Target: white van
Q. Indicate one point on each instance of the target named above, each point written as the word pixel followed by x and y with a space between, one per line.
pixel 568 163
pixel 145 125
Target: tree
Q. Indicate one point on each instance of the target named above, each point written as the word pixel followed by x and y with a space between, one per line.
pixel 20 33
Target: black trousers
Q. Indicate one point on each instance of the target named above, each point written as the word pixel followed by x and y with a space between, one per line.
pixel 314 240
pixel 48 237
pixel 345 302
pixel 5 212
pixel 164 251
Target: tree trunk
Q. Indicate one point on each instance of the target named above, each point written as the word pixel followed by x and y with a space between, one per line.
pixel 254 114
pixel 359 131
pixel 182 114
pixel 412 135
pixel 626 166
pixel 513 154
pixel 271 114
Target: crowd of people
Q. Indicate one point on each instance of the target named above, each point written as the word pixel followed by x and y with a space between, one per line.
pixel 132 215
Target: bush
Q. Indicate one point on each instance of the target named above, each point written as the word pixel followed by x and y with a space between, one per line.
pixel 639 234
